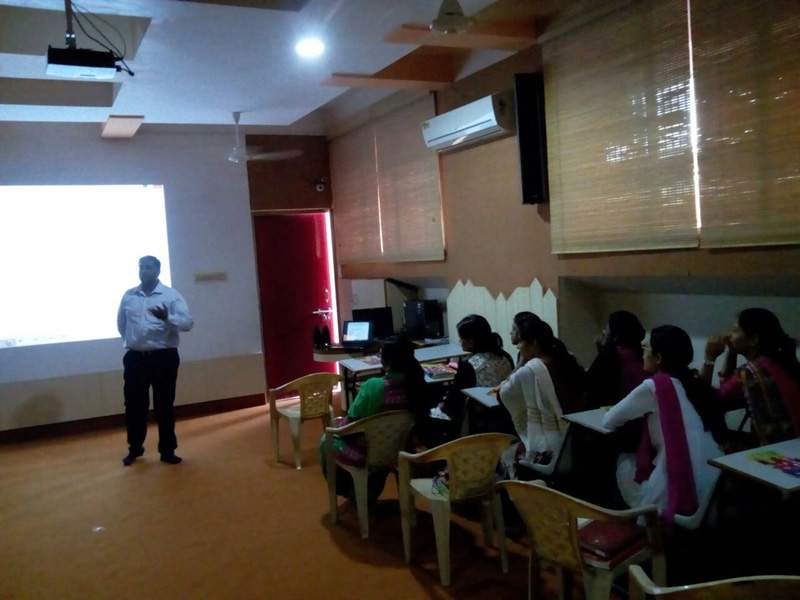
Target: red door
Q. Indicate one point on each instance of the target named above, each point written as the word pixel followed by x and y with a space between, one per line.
pixel 297 294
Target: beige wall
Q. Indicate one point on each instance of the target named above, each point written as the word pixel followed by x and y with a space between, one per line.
pixel 90 395
pixel 209 228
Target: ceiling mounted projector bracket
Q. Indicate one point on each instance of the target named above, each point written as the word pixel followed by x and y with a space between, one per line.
pixel 77 63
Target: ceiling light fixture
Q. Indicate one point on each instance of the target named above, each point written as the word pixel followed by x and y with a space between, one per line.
pixel 310 47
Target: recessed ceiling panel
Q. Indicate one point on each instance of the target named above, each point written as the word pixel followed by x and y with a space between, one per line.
pixel 201 60
pixel 57 92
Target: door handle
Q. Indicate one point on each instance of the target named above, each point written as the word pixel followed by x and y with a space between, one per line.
pixel 325 313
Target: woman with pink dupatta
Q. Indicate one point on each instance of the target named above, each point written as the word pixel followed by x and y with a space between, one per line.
pixel 671 467
pixel 768 384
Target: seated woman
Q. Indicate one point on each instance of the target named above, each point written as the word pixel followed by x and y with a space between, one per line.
pixel 671 468
pixel 619 366
pixel 614 373
pixel 769 383
pixel 486 366
pixel 401 387
pixel 516 340
pixel 549 383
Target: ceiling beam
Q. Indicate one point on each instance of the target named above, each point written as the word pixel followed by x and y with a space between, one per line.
pixel 425 68
pixel 355 80
pixel 57 92
pixel 495 36
pixel 121 126
pixel 288 5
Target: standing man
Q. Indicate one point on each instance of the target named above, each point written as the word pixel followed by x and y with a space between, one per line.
pixel 149 319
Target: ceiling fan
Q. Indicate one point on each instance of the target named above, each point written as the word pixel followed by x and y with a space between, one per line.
pixel 243 153
pixel 483 31
pixel 451 18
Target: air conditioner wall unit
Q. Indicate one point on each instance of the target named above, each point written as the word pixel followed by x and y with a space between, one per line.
pixel 479 121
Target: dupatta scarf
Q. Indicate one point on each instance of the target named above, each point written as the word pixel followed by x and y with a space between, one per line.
pixel 681 488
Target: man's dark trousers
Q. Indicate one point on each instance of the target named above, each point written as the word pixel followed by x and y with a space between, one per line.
pixel 143 369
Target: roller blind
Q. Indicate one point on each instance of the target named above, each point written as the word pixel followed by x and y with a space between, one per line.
pixel 354 184
pixel 408 185
pixel 747 79
pixel 386 194
pixel 618 126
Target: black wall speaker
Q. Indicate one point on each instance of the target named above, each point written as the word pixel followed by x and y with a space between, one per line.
pixel 531 137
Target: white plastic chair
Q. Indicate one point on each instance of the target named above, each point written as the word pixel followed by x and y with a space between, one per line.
pixel 386 435
pixel 765 587
pixel 316 402
pixel 554 520
pixel 471 464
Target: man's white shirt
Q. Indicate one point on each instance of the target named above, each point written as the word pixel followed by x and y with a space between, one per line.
pixel 141 330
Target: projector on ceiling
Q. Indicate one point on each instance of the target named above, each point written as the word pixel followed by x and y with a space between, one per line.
pixel 80 64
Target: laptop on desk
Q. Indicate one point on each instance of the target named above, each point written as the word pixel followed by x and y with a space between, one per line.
pixel 357 335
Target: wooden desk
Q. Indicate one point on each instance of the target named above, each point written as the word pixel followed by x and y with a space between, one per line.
pixel 482 395
pixel 742 464
pixel 352 368
pixel 328 356
pixel 443 380
pixel 591 419
pixel 441 352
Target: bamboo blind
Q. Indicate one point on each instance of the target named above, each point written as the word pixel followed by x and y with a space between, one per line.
pixel 408 181
pixel 386 194
pixel 618 126
pixel 747 74
pixel 354 184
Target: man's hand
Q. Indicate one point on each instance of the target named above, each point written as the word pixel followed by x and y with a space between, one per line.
pixel 159 312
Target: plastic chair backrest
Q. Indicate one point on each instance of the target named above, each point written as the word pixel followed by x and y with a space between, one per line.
pixel 552 526
pixel 386 435
pixel 316 394
pixel 472 463
pixel 741 588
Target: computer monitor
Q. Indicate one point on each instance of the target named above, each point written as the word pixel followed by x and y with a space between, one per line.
pixel 381 319
pixel 423 319
pixel 357 331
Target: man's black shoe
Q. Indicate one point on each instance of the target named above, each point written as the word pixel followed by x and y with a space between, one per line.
pixel 171 459
pixel 132 456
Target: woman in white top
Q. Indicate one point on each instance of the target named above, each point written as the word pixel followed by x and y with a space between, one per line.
pixel 671 469
pixel 548 381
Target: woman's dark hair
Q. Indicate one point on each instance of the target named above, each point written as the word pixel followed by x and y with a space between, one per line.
pixel 397 355
pixel 674 346
pixel 521 316
pixel 605 380
pixel 773 342
pixel 625 329
pixel 532 329
pixel 477 329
